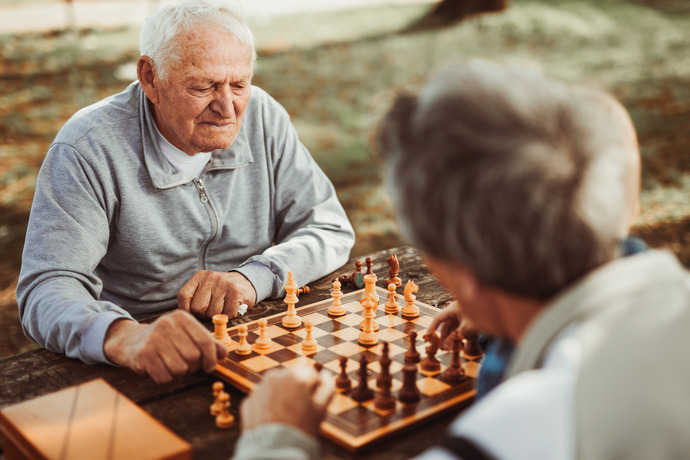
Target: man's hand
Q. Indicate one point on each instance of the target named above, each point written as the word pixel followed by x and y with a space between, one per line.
pixel 296 396
pixel 450 319
pixel 209 293
pixel 174 345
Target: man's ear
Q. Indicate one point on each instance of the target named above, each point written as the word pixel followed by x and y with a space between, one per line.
pixel 147 78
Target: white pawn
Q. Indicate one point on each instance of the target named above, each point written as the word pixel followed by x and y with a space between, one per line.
pixel 243 347
pixel 392 305
pixel 263 343
pixel 308 344
pixel 336 308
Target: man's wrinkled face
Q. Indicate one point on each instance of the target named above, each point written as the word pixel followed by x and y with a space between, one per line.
pixel 199 107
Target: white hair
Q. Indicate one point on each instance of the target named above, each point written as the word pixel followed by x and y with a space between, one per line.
pixel 160 29
pixel 523 179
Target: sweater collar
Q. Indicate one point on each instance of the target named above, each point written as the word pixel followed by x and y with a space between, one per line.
pixel 163 174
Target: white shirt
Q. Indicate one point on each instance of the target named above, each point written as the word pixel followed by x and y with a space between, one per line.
pixel 190 165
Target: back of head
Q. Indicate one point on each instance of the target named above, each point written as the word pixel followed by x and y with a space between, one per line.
pixel 160 29
pixel 525 180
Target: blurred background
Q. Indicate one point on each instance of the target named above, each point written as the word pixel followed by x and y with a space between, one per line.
pixel 334 65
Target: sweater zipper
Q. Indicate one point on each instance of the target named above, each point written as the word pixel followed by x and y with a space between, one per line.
pixel 214 221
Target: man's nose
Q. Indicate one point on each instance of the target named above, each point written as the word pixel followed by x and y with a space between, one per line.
pixel 223 103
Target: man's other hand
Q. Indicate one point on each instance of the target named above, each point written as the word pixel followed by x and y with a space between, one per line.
pixel 450 319
pixel 297 396
pixel 209 293
pixel 174 345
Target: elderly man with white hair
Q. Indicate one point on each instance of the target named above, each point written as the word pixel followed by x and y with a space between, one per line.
pixel 188 190
pixel 519 189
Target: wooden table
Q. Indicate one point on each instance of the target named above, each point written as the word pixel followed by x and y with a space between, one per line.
pixel 183 405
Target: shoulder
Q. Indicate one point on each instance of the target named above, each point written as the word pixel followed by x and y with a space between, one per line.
pixel 263 108
pixel 114 116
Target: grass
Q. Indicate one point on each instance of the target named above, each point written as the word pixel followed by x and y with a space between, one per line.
pixel 336 72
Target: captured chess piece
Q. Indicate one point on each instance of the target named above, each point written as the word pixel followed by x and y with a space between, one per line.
pixel 392 261
pixel 410 310
pixel 356 280
pixel 455 373
pixel 384 399
pixel 220 329
pixel 336 308
pixel 362 392
pixel 309 345
pixel 216 407
pixel 409 392
pixel 430 365
pixel 263 343
pixel 303 290
pixel 370 264
pixel 224 419
pixel 342 382
pixel 243 347
pixel 412 355
pixel 392 305
pixel 291 320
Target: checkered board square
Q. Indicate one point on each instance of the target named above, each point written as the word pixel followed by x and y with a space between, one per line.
pixel 351 424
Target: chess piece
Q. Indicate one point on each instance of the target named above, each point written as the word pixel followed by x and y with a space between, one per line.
pixel 308 344
pixel 384 399
pixel 318 367
pixel 370 293
pixel 220 329
pixel 342 382
pixel 370 263
pixel 430 365
pixel 356 279
pixel 362 392
pixel 392 305
pixel 472 348
pixel 455 373
pixel 368 336
pixel 243 347
pixel 263 343
pixel 224 419
pixel 303 290
pixel 336 308
pixel 291 320
pixel 412 355
pixel 392 261
pixel 410 310
pixel 409 392
pixel 216 406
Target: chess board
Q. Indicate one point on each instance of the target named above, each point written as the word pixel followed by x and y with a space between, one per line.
pixel 348 423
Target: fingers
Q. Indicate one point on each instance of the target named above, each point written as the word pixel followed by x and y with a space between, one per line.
pixel 185 294
pixel 209 293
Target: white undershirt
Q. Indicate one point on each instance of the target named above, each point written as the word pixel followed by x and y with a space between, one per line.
pixel 189 165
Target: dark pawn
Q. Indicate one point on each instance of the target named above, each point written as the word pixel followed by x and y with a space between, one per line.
pixel 472 347
pixel 455 373
pixel 412 355
pixel 409 392
pixel 370 262
pixel 342 382
pixel 362 392
pixel 384 400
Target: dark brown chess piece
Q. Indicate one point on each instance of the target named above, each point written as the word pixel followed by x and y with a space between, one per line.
pixel 392 261
pixel 370 263
pixel 472 348
pixel 455 373
pixel 303 290
pixel 384 399
pixel 355 280
pixel 412 355
pixel 430 365
pixel 409 392
pixel 362 392
pixel 342 382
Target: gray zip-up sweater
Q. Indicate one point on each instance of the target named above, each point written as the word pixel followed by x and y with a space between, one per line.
pixel 115 231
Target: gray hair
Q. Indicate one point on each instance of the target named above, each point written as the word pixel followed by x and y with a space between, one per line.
pixel 160 29
pixel 523 179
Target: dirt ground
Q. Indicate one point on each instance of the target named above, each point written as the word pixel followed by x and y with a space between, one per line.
pixel 336 85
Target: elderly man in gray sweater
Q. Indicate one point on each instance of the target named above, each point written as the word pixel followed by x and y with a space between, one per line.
pixel 188 190
pixel 518 188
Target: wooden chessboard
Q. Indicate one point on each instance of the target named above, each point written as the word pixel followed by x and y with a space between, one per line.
pixel 351 424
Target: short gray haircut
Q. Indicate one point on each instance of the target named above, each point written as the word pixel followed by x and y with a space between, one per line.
pixel 160 29
pixel 521 178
